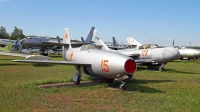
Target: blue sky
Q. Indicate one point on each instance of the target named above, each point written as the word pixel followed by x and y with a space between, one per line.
pixel 148 21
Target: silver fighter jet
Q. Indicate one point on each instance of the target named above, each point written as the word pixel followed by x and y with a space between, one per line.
pixel 92 61
pixel 189 54
pixel 185 53
pixel 153 56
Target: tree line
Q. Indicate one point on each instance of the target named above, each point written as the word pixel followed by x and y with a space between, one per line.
pixel 16 34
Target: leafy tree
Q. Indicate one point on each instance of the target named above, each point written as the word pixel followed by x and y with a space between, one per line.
pixel 3 33
pixel 17 33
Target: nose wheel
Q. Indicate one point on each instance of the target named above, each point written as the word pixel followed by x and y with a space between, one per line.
pixel 122 86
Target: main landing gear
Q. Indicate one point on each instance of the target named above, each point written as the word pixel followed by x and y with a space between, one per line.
pixel 162 66
pixel 77 76
pixel 42 50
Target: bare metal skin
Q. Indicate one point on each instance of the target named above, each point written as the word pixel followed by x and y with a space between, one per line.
pixel 146 56
pixel 92 61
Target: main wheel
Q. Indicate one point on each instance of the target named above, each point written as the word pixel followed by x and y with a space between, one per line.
pixel 78 81
pixel 161 69
pixel 123 88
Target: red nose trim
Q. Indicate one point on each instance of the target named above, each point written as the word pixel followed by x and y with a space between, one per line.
pixel 130 66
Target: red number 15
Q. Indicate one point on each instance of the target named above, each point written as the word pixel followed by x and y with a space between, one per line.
pixel 104 66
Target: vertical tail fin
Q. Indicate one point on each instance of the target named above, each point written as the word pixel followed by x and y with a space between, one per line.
pixel 115 43
pixel 82 39
pixel 66 38
pixel 58 38
pixel 173 43
pixel 133 42
pixel 90 35
pixel 100 43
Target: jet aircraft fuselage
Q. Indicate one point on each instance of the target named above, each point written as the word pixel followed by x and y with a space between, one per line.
pixel 36 42
pixel 103 63
pixel 189 53
pixel 159 54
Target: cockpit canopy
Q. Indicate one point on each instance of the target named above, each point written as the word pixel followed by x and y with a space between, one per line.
pixel 147 46
pixel 86 47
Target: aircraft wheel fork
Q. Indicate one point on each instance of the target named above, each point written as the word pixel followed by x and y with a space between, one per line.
pixel 122 86
pixel 77 76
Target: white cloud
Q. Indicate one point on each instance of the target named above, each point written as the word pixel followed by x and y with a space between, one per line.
pixel 96 33
pixel 3 1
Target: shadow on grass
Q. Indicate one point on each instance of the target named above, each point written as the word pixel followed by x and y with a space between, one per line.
pixel 11 64
pixel 154 68
pixel 175 71
pixel 132 85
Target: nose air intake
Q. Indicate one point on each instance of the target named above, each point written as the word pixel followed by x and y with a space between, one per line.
pixel 130 66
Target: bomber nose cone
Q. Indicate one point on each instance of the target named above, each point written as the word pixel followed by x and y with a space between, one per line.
pixel 170 54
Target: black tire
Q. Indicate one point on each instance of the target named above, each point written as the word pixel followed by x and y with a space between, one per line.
pixel 78 81
pixel 123 88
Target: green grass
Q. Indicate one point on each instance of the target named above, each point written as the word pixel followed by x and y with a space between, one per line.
pixel 175 89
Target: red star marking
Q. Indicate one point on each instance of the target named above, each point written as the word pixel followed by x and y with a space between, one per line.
pixel 66 35
pixel 71 55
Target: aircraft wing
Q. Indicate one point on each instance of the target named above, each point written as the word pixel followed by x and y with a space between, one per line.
pixel 145 60
pixel 53 62
pixel 77 44
pixel 55 43
pixel 26 56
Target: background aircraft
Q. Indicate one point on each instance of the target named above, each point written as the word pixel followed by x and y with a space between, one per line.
pixel 4 42
pixel 135 44
pixel 189 54
pixel 185 53
pixel 93 62
pixel 40 42
pixel 154 56
pixel 116 46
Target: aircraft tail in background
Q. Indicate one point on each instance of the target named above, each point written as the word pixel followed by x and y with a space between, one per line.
pixel 101 44
pixel 115 43
pixel 90 35
pixel 173 42
pixel 82 39
pixel 133 42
